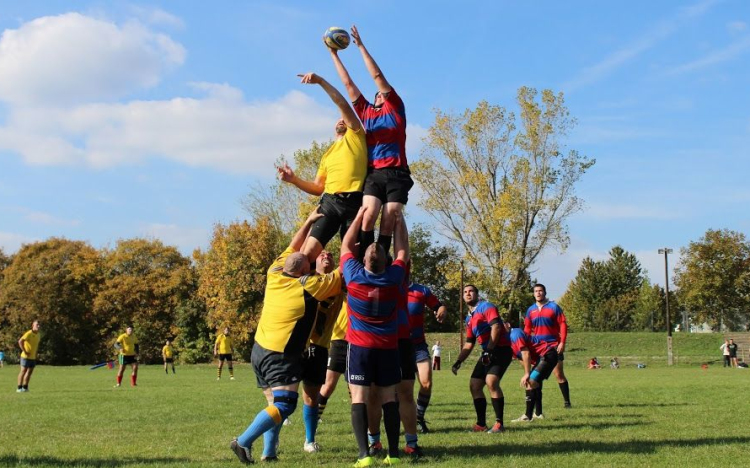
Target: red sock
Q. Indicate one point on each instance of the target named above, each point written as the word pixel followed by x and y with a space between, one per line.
pixel 119 379
pixel 132 380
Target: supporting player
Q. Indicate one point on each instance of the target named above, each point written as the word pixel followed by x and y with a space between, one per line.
pixel 315 358
pixel 29 344
pixel 167 353
pixel 485 325
pixel 129 348
pixel 340 177
pixel 389 180
pixel 545 322
pixel 289 309
pixel 538 361
pixel 372 295
pixel 224 348
pixel 419 297
pixel 336 358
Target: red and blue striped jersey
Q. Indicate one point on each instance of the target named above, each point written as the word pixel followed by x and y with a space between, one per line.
pixel 385 129
pixel 479 325
pixel 419 297
pixel 372 301
pixel 518 340
pixel 546 325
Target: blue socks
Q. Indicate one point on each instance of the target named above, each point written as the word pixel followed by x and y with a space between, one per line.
pixel 310 416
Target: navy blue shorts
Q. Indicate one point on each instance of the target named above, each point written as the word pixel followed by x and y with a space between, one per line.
pixel 366 366
pixel 28 363
pixel 421 354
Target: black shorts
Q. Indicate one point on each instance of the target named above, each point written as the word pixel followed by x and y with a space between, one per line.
pixel 501 359
pixel 274 369
pixel 225 357
pixel 125 360
pixel 545 366
pixel 169 360
pixel 365 366
pixel 314 361
pixel 407 360
pixel 339 211
pixel 389 185
pixel 560 357
pixel 337 356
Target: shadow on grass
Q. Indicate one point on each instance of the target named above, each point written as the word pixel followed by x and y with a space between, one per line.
pixel 577 446
pixel 13 460
pixel 523 427
pixel 640 405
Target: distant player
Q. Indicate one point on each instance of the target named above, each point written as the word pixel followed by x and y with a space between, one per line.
pixel 224 348
pixel 419 297
pixel 389 180
pixel 340 177
pixel 436 350
pixel 373 291
pixel 289 309
pixel 167 353
pixel 315 357
pixel 127 343
pixel 538 361
pixel 29 344
pixel 545 322
pixel 485 326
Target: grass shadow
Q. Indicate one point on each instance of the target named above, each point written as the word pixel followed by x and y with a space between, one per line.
pixel 14 460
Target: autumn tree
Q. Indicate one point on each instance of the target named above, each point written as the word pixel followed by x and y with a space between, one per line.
pixel 502 186
pixel 145 284
pixel 54 281
pixel 233 276
pixel 713 279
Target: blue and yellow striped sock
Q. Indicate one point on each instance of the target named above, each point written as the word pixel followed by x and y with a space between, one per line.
pixel 310 416
pixel 264 421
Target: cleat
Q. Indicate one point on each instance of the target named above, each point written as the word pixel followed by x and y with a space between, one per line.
pixel 117 385
pixel 218 378
pixel 20 390
pixel 375 449
pixel 231 378
pixel 243 453
pixel 538 416
pixel 422 424
pixel 364 462
pixel 523 418
pixel 478 428
pixel 389 460
pixel 497 428
pixel 414 452
pixel 270 459
pixel 287 422
pixel 567 405
pixel 311 447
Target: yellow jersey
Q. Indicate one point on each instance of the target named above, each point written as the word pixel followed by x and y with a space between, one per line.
pixel 344 165
pixel 328 312
pixel 128 344
pixel 225 343
pixel 342 321
pixel 167 352
pixel 290 306
pixel 30 344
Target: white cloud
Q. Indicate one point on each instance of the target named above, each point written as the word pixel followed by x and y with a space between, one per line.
pixel 726 54
pixel 11 242
pixel 648 40
pixel 626 211
pixel 186 239
pixel 156 16
pixel 72 58
pixel 39 217
pixel 736 26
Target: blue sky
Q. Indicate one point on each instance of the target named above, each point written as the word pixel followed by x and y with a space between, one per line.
pixel 154 118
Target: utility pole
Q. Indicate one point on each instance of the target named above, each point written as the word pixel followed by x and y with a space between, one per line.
pixel 666 251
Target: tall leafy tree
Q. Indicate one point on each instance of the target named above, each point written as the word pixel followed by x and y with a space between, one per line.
pixel 233 276
pixel 145 284
pixel 713 279
pixel 502 186
pixel 54 281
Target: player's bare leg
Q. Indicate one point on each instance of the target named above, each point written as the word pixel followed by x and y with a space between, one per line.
pixel 424 373
pixel 562 381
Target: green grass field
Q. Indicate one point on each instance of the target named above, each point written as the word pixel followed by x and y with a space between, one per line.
pixel 656 416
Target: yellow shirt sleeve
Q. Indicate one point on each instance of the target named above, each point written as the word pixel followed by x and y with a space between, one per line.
pixel 322 287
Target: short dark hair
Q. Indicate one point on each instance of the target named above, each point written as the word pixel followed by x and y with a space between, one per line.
pixel 540 285
pixel 476 290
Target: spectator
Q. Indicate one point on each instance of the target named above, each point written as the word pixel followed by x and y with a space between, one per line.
pixel 725 353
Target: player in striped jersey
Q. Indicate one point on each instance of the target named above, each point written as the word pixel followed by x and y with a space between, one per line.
pixel 538 361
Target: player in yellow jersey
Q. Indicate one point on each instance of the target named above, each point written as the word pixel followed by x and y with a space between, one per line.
pixel 127 343
pixel 341 174
pixel 224 348
pixel 167 353
pixel 286 321
pixel 315 358
pixel 29 344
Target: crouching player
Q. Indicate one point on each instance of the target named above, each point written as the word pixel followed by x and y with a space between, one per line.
pixel 538 362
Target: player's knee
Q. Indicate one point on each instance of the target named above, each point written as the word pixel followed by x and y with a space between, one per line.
pixel 285 401
pixel 426 386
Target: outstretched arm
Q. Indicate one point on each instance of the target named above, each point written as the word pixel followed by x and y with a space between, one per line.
pixel 351 88
pixel 299 238
pixel 349 242
pixel 347 113
pixel 401 239
pixel 316 187
pixel 382 84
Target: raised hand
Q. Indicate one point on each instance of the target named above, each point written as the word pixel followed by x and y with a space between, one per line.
pixel 309 78
pixel 285 173
pixel 355 36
